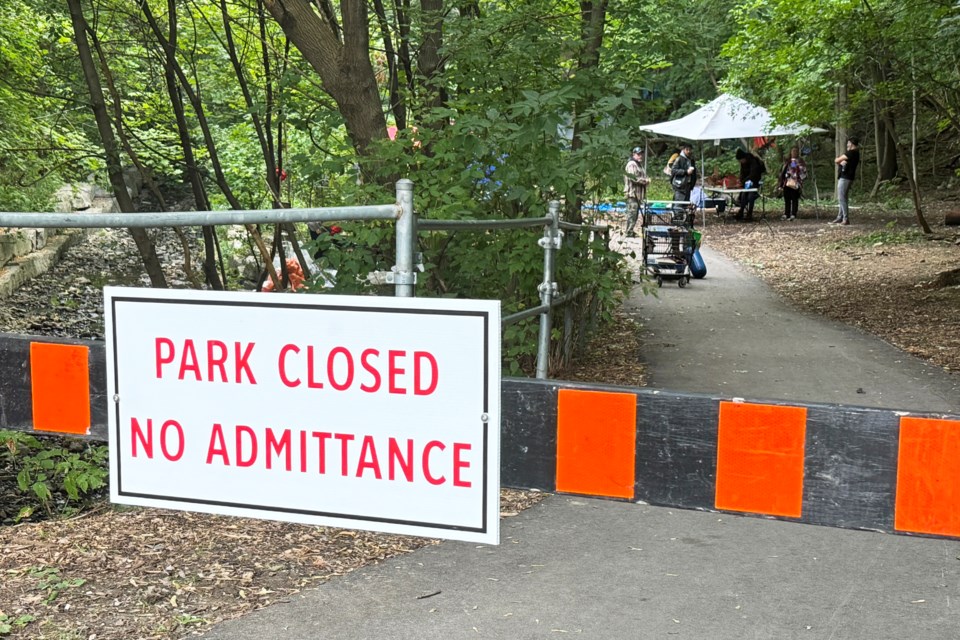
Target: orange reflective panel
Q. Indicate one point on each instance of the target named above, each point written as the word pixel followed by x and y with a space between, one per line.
pixel 928 477
pixel 760 451
pixel 596 443
pixel 60 383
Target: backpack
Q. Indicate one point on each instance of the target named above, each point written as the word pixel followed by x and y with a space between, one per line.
pixel 668 170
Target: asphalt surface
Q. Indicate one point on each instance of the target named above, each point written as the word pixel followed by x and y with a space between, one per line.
pixel 730 335
pixel 588 568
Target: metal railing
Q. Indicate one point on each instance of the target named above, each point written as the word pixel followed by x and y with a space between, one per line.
pixel 548 289
pixel 403 275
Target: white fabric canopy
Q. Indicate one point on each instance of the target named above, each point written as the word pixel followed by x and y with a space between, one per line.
pixel 726 117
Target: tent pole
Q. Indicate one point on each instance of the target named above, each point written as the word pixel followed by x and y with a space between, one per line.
pixel 646 153
pixel 703 185
pixel 816 187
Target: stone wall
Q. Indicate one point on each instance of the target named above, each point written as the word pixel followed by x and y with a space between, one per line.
pixel 26 253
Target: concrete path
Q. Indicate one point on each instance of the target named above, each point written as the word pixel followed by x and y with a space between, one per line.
pixel 730 335
pixel 613 570
pixel 573 567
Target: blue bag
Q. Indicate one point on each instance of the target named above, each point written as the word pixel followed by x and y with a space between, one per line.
pixel 698 268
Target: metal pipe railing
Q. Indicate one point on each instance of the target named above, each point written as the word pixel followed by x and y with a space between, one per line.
pixel 404 276
pixel 573 226
pixel 560 300
pixel 548 288
pixel 196 218
pixel 481 225
pixel 408 226
pixel 514 318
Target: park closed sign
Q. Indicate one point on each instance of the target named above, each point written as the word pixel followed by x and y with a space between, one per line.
pixel 359 412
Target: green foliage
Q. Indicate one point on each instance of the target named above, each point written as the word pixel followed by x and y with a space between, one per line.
pixel 52 583
pixel 40 136
pixel 671 49
pixel 528 115
pixel 500 148
pixel 793 57
pixel 61 479
pixel 9 624
pixel 890 196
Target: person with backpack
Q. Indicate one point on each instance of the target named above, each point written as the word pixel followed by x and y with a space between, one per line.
pixel 683 174
pixel 635 183
pixel 790 183
pixel 668 170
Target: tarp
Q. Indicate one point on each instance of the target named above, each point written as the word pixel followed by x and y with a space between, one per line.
pixel 726 117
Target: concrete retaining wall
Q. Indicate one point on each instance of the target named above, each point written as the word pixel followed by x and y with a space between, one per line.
pixel 26 253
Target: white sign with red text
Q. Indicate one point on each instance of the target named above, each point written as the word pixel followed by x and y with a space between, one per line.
pixel 361 412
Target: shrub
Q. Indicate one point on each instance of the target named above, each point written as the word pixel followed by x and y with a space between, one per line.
pixel 55 477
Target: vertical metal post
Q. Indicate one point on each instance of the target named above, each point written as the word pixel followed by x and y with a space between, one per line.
pixel 568 328
pixel 404 276
pixel 549 242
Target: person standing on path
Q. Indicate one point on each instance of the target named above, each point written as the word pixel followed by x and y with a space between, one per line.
pixel 635 183
pixel 848 171
pixel 792 174
pixel 683 175
pixel 751 173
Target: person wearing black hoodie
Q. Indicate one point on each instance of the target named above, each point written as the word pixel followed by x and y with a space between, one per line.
pixel 683 174
pixel 751 172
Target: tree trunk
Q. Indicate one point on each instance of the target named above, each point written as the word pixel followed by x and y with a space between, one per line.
pixel 145 245
pixel 192 172
pixel 888 162
pixel 266 149
pixel 268 82
pixel 397 104
pixel 207 137
pixel 593 17
pixel 402 10
pixel 343 65
pixel 429 64
pixel 886 146
pixel 907 165
pixel 144 172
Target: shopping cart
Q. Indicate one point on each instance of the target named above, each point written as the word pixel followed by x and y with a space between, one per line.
pixel 668 241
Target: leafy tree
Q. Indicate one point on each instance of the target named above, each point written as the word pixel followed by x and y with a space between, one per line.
pixel 859 60
pixel 500 107
pixel 43 139
pixel 112 154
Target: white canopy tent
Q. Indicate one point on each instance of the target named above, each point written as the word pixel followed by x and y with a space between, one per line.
pixel 726 117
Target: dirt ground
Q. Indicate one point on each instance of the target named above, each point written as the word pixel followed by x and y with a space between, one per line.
pixel 119 573
pixel 143 573
pixel 125 573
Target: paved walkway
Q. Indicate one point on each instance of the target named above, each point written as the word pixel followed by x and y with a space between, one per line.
pixel 613 570
pixel 730 335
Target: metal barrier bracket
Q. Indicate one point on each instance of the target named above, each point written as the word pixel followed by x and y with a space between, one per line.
pixel 394 277
pixel 553 288
pixel 551 243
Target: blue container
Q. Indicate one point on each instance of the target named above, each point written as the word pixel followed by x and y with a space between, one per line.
pixel 697 266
